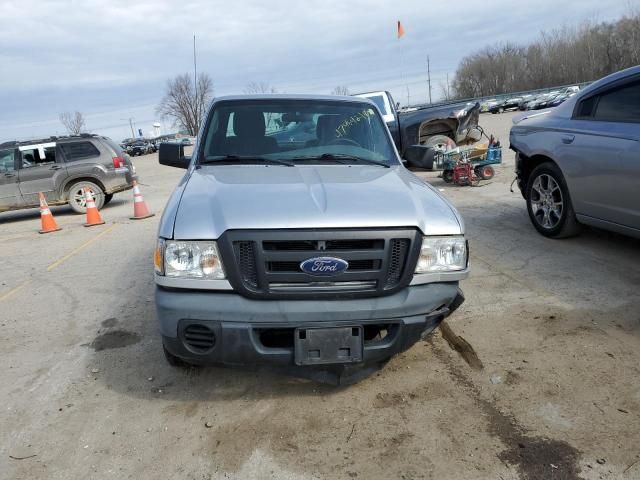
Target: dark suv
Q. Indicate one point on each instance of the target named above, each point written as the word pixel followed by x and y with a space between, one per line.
pixel 61 167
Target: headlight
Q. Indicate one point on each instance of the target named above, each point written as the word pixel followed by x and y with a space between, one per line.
pixel 442 254
pixel 190 259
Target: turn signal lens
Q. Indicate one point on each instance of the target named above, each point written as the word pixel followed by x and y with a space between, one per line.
pixel 158 257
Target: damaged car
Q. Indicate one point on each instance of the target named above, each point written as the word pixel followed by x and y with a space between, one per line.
pixel 422 131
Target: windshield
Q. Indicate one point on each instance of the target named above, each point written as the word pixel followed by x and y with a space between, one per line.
pixel 298 131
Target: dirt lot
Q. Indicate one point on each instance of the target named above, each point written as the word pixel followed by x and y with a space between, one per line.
pixel 553 394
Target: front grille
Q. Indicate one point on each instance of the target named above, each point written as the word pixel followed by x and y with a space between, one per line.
pixel 266 263
pixel 199 338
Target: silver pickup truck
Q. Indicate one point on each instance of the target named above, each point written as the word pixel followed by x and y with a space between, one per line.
pixel 297 239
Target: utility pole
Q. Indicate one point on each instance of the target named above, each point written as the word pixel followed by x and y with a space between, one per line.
pixel 448 96
pixel 429 78
pixel 133 135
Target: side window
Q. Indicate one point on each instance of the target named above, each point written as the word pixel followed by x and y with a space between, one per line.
pixel 620 105
pixel 7 161
pixel 79 150
pixel 31 157
pixel 585 107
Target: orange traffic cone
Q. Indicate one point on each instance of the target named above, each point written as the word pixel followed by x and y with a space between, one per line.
pixel 46 218
pixel 93 216
pixel 140 209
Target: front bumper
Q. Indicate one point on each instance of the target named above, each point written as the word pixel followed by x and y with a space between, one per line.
pixel 239 324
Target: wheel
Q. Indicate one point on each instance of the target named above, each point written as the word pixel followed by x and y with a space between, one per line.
pixel 501 110
pixel 486 172
pixel 549 203
pixel 440 142
pixel 77 200
pixel 447 176
pixel 173 360
pixel 108 197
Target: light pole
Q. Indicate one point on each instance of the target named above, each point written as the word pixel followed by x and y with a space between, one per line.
pixel 130 119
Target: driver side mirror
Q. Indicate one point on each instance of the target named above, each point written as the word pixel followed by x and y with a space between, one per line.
pixel 172 155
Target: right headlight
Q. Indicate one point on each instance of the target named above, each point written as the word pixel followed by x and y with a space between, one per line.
pixel 189 259
pixel 442 254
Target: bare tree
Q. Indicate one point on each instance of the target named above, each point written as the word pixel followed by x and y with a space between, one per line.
pixel 73 122
pixel 340 90
pixel 562 56
pixel 259 87
pixel 184 104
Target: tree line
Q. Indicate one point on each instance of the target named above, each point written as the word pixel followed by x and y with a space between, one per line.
pixel 558 57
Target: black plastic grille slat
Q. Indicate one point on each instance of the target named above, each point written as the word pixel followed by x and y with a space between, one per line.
pixel 199 337
pixel 308 245
pixel 245 253
pixel 397 260
pixel 294 266
pixel 290 245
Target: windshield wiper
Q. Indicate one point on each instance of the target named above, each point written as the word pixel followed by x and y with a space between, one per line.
pixel 245 159
pixel 338 157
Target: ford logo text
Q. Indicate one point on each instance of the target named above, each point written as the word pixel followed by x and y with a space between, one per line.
pixel 324 266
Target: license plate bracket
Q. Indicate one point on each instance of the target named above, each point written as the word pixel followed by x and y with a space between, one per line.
pixel 322 346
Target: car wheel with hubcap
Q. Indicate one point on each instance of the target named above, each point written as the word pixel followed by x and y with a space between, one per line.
pixel 549 203
pixel 77 199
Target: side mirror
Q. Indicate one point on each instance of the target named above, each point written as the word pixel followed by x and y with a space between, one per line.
pixel 420 155
pixel 172 155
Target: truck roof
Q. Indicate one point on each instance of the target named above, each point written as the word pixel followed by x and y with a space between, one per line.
pixel 287 96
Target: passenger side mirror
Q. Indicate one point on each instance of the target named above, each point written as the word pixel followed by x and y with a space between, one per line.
pixel 421 156
pixel 172 155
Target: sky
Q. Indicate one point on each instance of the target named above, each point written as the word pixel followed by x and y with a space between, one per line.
pixel 111 59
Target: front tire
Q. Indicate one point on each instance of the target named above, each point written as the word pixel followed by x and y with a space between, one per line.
pixel 108 197
pixel 77 199
pixel 549 203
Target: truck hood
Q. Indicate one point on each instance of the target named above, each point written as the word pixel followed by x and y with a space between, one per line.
pixel 220 198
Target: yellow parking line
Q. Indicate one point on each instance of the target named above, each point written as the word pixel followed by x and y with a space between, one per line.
pixel 15 290
pixel 59 262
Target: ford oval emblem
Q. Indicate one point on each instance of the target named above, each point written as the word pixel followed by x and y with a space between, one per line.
pixel 324 266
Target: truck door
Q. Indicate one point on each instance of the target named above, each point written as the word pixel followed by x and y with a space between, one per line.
pixel 10 197
pixel 41 169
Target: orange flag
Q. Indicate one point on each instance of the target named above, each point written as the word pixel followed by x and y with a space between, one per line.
pixel 400 30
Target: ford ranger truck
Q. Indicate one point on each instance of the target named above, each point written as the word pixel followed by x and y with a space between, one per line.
pixel 297 240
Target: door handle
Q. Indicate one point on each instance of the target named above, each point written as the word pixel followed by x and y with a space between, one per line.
pixel 55 167
pixel 568 139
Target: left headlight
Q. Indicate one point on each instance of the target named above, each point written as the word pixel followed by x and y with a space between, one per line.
pixel 442 254
pixel 188 259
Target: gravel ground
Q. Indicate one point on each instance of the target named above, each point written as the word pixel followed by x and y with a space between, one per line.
pixel 537 377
